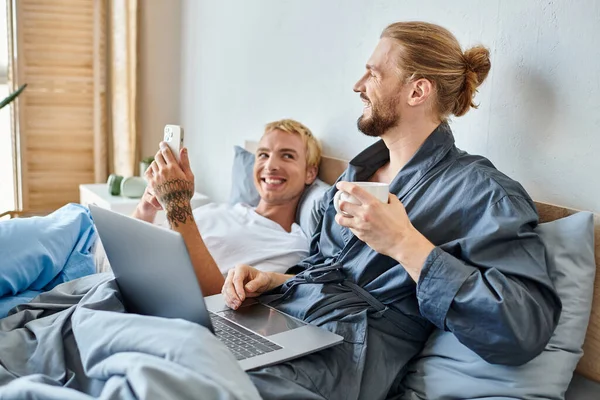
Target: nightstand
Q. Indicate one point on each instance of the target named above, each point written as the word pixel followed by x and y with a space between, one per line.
pixel 97 193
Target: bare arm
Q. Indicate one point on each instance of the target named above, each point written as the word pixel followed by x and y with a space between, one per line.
pixel 173 185
pixel 207 272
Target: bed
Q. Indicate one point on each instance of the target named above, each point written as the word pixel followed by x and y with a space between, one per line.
pixel 161 356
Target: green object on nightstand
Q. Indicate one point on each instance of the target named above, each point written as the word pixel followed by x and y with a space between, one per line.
pixel 133 187
pixel 114 184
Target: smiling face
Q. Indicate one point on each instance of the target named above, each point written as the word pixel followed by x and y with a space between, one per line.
pixel 280 168
pixel 382 90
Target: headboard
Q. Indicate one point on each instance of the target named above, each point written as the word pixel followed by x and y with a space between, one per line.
pixel 589 365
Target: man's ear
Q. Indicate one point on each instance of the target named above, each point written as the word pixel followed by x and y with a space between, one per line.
pixel 421 91
pixel 311 175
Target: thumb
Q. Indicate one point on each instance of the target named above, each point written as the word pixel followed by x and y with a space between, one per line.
pixel 184 161
pixel 256 283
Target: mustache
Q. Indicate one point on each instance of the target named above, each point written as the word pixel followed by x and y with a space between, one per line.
pixel 362 96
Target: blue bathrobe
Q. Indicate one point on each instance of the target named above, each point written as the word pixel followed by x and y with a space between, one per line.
pixel 486 281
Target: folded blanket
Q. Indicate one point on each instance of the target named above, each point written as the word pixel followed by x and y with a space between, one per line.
pixel 38 253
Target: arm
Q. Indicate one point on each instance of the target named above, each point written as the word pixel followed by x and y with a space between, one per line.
pixel 490 286
pixel 497 298
pixel 181 220
pixel 173 185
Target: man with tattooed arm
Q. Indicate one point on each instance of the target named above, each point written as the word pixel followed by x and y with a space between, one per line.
pixel 220 236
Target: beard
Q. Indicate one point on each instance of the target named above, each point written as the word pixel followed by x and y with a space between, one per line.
pixel 381 120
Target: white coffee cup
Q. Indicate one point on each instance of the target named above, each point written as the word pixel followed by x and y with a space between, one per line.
pixel 378 189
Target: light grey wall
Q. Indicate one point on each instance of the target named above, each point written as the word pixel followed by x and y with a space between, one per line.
pixel 248 62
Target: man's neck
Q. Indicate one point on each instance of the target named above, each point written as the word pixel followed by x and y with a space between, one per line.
pixel 404 140
pixel 283 214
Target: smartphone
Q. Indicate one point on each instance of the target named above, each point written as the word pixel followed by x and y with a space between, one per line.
pixel 174 139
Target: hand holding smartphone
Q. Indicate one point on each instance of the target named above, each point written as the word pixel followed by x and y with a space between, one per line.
pixel 174 138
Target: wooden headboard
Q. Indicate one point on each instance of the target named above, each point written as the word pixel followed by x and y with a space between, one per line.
pixel 589 365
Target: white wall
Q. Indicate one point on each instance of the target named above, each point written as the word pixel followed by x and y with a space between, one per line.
pixel 159 69
pixel 248 62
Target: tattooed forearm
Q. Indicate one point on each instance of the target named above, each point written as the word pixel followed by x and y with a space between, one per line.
pixel 177 214
pixel 175 197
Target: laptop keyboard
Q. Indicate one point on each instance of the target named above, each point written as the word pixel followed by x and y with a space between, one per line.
pixel 242 342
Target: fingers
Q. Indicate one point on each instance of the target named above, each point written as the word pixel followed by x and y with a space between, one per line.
pixel 233 288
pixel 238 283
pixel 155 203
pixel 155 169
pixel 150 198
pixel 167 154
pixel 354 190
pixel 185 161
pixel 149 173
pixel 346 221
pixel 229 293
pixel 257 285
pixel 159 159
pixel 350 209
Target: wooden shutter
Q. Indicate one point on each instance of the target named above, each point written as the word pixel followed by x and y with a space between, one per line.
pixel 60 52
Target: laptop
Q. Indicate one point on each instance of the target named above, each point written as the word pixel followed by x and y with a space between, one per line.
pixel 155 276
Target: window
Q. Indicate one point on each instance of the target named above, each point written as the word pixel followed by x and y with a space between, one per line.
pixel 7 193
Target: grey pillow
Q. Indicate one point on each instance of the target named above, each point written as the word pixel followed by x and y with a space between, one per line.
pixel 242 178
pixel 243 190
pixel 446 369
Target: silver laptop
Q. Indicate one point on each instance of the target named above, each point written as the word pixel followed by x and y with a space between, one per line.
pixel 155 276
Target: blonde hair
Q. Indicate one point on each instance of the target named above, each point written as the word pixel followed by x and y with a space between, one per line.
pixel 433 53
pixel 311 144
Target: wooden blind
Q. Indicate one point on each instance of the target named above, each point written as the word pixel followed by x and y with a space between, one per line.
pixel 60 53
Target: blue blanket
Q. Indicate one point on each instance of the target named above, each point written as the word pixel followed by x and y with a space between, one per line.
pixel 75 342
pixel 38 253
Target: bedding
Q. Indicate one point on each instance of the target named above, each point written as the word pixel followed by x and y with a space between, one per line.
pixel 446 369
pixel 75 341
pixel 38 253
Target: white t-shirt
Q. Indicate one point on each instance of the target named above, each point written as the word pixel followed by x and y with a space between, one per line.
pixel 236 234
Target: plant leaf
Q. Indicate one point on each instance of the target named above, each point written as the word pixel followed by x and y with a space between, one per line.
pixel 13 96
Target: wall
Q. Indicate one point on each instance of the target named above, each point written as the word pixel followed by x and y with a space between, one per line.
pixel 245 63
pixel 159 70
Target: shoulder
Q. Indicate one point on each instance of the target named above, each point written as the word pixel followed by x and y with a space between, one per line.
pixel 465 184
pixel 477 173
